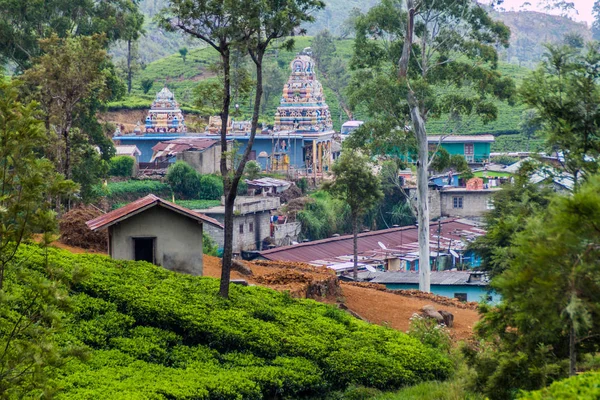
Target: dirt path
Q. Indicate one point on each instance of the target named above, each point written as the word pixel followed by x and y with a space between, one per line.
pixel 395 311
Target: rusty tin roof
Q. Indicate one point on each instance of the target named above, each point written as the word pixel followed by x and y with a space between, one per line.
pixel 143 204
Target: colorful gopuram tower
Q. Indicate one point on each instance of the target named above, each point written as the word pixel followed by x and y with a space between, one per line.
pixel 165 116
pixel 302 107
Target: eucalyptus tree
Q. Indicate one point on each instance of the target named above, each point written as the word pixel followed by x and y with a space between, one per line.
pixel 433 59
pixel 228 26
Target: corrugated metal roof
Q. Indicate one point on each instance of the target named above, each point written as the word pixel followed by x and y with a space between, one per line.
pixel 268 182
pixel 128 150
pixel 171 148
pixel 461 138
pixel 396 240
pixel 143 204
pixel 437 278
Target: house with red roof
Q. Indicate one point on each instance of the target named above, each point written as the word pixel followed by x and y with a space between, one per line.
pixel 157 231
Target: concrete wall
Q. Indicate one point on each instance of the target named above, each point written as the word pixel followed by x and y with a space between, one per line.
pixel 242 241
pixel 178 245
pixel 204 162
pixel 474 202
pixel 285 233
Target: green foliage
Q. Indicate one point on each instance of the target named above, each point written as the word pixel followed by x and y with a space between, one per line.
pixel 184 180
pixel 564 91
pixel 146 85
pixel 27 21
pixel 252 169
pixel 430 333
pixel 211 187
pixel 302 185
pixel 548 296
pixel 208 245
pixel 504 160
pixel 183 53
pixel 121 166
pixel 125 192
pixel 152 333
pixel 581 387
pixel 513 206
pixel 323 216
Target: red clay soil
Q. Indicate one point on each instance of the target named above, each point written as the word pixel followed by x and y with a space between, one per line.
pixel 395 311
pixel 373 304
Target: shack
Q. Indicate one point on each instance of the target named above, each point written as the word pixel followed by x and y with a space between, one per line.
pixel 157 231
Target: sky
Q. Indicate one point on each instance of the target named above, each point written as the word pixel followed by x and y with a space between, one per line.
pixel 583 7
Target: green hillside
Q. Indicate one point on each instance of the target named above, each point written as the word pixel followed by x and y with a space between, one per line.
pixel 154 334
pixel 182 77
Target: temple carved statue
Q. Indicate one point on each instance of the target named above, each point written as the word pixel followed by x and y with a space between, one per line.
pixel 302 106
pixel 165 116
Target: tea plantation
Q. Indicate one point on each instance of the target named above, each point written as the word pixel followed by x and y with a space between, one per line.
pixel 154 334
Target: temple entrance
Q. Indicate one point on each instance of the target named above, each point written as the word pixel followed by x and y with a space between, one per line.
pixel 143 249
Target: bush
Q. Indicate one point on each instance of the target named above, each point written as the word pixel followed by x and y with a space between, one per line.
pixel 252 169
pixel 184 180
pixel 211 187
pixel 581 387
pixel 504 160
pixel 121 166
pixel 154 333
pixel 429 332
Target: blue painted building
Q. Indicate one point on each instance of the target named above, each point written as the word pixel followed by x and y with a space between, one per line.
pixel 276 151
pixel 462 285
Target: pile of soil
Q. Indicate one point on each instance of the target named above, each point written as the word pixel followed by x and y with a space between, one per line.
pixel 300 280
pixel 293 192
pixel 74 232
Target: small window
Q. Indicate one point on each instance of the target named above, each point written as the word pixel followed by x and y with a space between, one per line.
pixel 251 227
pixel 457 202
pixel 460 296
pixel 241 228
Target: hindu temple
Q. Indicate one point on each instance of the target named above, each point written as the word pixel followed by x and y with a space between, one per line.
pixel 165 116
pixel 302 106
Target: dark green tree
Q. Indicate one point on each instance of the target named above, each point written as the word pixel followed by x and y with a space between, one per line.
pixel 70 72
pixel 437 60
pixel 25 22
pixel 550 293
pixel 147 85
pixel 356 184
pixel 565 92
pixel 183 53
pixel 28 182
pixel 596 23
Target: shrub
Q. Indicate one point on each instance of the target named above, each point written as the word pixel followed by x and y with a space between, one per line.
pixel 429 332
pixel 121 166
pixel 504 160
pixel 581 387
pixel 184 180
pixel 211 187
pixel 154 333
pixel 252 169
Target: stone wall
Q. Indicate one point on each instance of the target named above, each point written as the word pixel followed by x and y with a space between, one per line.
pixel 474 202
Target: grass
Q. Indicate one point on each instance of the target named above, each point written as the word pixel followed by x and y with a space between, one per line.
pixel 449 390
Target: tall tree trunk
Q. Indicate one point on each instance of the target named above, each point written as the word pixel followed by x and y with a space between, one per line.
pixel 229 199
pixel 572 351
pixel 355 245
pixel 422 193
pixel 129 75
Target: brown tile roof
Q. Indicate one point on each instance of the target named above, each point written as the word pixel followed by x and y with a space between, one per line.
pixel 396 240
pixel 143 204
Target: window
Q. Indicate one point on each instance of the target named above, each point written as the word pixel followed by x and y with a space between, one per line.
pixel 469 152
pixel 457 202
pixel 241 228
pixel 460 296
pixel 251 227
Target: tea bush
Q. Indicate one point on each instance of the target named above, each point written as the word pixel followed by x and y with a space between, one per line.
pixel 153 333
pixel 581 387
